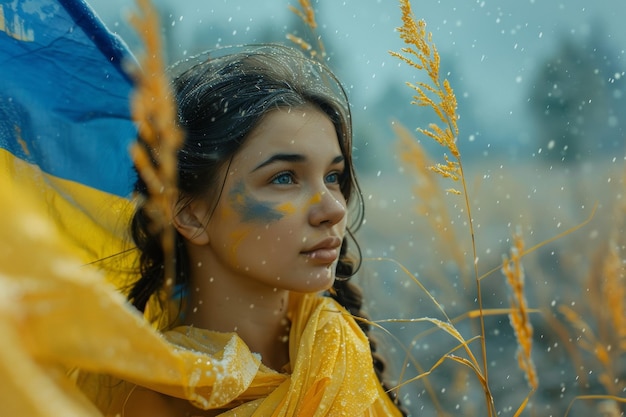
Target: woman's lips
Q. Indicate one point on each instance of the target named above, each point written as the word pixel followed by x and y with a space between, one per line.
pixel 323 256
pixel 325 251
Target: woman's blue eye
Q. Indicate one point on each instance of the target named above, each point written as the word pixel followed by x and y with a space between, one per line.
pixel 284 178
pixel 332 178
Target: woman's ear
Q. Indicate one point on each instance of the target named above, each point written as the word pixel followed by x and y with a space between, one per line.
pixel 191 221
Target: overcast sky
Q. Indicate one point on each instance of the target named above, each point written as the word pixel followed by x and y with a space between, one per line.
pixel 496 45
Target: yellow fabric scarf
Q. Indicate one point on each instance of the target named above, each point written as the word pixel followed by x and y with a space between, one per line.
pixel 57 315
pixel 331 364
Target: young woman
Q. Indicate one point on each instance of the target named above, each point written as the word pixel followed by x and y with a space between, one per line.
pixel 266 186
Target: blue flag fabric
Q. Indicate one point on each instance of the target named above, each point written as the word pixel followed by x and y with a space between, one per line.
pixel 64 95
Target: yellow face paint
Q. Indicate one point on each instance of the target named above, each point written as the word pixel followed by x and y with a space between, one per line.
pixel 237 236
pixel 286 208
pixel 315 199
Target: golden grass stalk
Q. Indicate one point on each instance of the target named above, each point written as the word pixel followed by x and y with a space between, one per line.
pixel 307 14
pixel 599 323
pixel 446 325
pixel 547 241
pixel 608 307
pixel 613 289
pixel 431 203
pixel 302 44
pixel 593 398
pixel 514 272
pixel 409 358
pixel 610 303
pixel 438 95
pixel 421 54
pixel 154 111
pixel 589 342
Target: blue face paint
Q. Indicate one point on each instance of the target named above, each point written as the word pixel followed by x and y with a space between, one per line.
pixel 250 209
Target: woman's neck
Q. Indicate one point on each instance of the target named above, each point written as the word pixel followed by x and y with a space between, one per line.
pixel 226 303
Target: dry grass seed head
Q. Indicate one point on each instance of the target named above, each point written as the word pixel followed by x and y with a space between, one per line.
pixel 514 273
pixel 307 15
pixel 154 111
pixel 422 54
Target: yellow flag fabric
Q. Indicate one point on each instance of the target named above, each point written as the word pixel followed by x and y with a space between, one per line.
pixel 94 223
pixel 331 373
pixel 58 315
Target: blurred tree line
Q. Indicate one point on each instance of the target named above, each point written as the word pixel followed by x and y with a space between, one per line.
pixel 577 101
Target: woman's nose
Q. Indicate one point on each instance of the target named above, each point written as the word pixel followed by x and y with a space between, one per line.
pixel 327 207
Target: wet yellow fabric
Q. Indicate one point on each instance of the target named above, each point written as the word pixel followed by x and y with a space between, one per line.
pixel 93 223
pixel 332 371
pixel 58 315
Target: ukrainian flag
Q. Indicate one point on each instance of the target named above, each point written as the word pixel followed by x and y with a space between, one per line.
pixel 65 124
pixel 65 182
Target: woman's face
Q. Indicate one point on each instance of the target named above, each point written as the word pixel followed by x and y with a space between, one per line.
pixel 281 216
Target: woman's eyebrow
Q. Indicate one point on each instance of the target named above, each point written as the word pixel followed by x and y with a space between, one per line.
pixel 338 159
pixel 281 157
pixel 291 157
